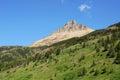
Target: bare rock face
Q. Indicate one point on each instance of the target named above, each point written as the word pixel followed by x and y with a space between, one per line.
pixel 69 30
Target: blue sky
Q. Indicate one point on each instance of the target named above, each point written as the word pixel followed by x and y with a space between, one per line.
pixel 23 22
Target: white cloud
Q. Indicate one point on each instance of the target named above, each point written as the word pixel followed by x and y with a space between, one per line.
pixel 84 7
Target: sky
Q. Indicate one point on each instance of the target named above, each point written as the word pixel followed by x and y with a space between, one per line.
pixel 23 22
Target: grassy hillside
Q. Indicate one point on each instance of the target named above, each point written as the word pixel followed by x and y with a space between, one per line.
pixel 95 56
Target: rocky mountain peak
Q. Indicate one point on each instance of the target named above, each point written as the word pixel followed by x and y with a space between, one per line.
pixel 69 30
pixel 72 22
pixel 71 26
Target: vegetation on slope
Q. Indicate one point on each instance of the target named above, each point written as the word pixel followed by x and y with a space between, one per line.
pixel 95 56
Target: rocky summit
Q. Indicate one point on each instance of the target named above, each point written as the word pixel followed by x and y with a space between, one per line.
pixel 69 30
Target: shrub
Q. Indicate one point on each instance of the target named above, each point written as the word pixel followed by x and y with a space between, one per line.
pixel 57 52
pixel 103 71
pixel 92 64
pixel 82 57
pixel 96 72
pixel 82 72
pixel 111 53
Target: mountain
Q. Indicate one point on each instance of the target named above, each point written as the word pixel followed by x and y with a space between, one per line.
pixel 95 56
pixel 69 30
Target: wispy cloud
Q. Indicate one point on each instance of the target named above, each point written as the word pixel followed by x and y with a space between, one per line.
pixel 84 7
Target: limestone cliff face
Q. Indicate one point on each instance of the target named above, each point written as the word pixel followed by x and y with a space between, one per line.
pixel 69 30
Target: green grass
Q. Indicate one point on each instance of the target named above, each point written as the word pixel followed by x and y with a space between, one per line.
pixel 68 67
